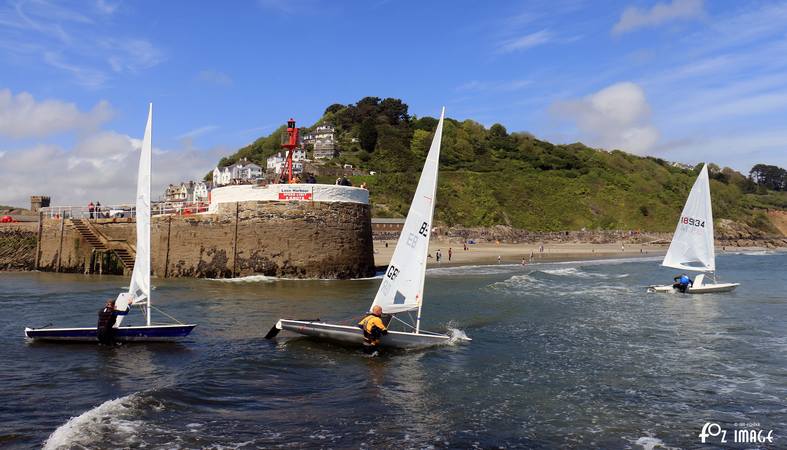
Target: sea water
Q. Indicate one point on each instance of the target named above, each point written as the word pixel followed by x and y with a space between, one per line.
pixel 564 355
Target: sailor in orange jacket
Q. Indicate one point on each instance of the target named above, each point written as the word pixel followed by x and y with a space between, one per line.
pixel 373 329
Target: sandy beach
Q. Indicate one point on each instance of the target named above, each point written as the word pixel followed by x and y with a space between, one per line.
pixel 488 253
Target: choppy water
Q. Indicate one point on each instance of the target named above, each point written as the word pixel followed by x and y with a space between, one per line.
pixel 572 355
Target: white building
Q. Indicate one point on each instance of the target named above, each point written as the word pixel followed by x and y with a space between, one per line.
pixel 201 191
pixel 179 192
pixel 324 140
pixel 278 162
pixel 241 172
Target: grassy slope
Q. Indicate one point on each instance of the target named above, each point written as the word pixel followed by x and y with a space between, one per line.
pixel 489 177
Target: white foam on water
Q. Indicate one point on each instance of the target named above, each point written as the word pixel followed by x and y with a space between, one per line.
pixel 518 282
pixel 269 279
pixel 652 443
pixel 759 253
pixel 456 335
pixel 111 418
pixel 248 279
pixel 484 269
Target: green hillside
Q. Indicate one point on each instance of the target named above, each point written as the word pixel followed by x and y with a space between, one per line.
pixel 490 177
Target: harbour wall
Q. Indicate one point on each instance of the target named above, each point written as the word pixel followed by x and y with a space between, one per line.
pixel 299 239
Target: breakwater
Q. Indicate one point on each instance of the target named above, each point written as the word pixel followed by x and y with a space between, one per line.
pixel 281 239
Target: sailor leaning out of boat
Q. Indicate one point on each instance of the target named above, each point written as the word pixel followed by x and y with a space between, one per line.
pixel 373 329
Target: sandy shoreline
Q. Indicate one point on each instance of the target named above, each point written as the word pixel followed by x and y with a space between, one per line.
pixel 488 253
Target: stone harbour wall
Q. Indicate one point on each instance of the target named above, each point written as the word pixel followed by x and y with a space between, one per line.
pixel 282 239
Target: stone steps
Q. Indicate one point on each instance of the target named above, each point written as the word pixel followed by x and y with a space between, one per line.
pixel 101 243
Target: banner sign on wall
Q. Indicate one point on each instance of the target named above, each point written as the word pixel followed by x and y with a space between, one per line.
pixel 295 192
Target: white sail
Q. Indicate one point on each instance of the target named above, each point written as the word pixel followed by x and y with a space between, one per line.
pixel 692 243
pixel 403 282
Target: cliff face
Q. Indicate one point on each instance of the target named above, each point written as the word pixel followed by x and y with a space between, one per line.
pixel 295 239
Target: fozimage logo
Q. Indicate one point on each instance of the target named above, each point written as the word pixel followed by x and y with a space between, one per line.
pixel 743 433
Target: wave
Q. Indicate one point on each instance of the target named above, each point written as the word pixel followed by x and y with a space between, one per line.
pixel 579 273
pixel 269 279
pixel 482 269
pixel 759 253
pixel 456 335
pixel 112 419
pixel 651 443
pixel 248 279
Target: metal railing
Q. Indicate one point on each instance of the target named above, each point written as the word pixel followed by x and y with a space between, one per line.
pixel 123 211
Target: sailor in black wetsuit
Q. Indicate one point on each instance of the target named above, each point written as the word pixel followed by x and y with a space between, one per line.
pixel 106 324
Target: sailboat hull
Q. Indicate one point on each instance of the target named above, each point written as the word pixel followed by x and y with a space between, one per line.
pixel 704 289
pixel 152 333
pixel 353 335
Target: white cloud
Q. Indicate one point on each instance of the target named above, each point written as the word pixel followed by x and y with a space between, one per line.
pixel 525 42
pixel 21 116
pixel 191 134
pixel 737 150
pixel 100 167
pixel 617 116
pixel 634 18
pixel 83 75
pixel 131 55
pixel 80 41
pixel 215 77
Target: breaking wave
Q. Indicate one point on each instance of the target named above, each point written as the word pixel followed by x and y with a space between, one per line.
pixel 483 269
pixel 114 420
pixel 248 279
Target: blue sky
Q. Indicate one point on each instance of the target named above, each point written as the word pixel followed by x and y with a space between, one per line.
pixel 686 80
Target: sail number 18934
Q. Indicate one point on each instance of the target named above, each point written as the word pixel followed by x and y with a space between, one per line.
pixel 692 221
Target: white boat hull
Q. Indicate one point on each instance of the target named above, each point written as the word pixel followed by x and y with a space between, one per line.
pixel 703 289
pixel 353 335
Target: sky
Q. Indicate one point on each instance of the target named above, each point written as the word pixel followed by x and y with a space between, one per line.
pixel 684 80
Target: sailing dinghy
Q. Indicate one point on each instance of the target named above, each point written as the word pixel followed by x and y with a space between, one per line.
pixel 139 290
pixel 692 244
pixel 401 290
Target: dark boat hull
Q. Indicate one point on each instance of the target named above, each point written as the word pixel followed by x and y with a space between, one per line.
pixel 152 333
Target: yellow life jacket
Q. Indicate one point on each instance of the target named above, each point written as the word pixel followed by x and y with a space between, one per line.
pixel 370 322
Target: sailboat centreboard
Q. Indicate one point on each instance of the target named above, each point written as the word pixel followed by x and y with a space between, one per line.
pixel 402 288
pixel 138 293
pixel 692 246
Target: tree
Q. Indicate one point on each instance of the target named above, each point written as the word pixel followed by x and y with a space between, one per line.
pixel 367 134
pixel 333 109
pixel 392 153
pixel 422 139
pixel 395 111
pixel 772 177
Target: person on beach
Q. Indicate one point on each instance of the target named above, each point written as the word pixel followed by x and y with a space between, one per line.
pixel 524 263
pixel 682 283
pixel 105 330
pixel 499 259
pixel 373 330
pixel 450 253
pixel 438 255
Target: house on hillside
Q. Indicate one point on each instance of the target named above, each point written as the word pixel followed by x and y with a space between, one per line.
pixel 201 191
pixel 179 192
pixel 277 162
pixel 241 172
pixel 324 140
